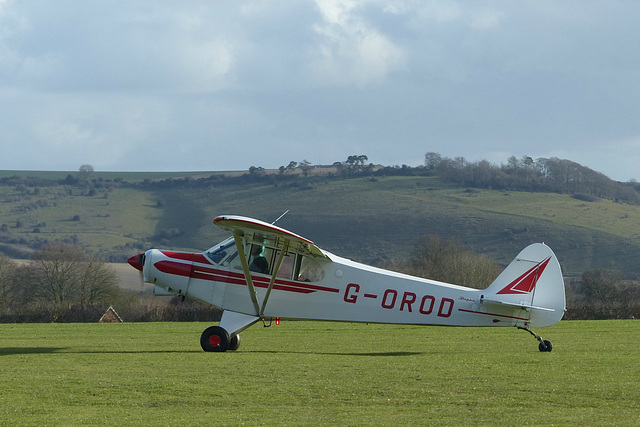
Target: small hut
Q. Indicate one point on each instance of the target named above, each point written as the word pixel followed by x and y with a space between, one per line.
pixel 110 316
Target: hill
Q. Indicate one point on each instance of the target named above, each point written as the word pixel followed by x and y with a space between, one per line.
pixel 367 218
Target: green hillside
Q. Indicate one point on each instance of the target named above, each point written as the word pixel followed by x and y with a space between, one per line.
pixel 366 219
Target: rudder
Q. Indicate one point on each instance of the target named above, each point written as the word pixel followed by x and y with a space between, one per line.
pixel 533 281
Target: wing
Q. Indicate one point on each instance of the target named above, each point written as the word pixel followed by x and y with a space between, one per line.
pixel 248 230
pixel 256 230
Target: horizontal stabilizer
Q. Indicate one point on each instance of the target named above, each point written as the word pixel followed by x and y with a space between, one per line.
pixel 522 306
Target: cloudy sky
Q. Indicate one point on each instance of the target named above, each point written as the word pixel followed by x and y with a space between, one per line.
pixel 219 85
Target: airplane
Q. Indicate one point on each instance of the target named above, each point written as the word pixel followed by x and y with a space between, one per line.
pixel 264 272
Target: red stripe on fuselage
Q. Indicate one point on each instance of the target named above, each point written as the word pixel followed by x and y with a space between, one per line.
pixel 186 256
pixel 172 267
pixel 225 276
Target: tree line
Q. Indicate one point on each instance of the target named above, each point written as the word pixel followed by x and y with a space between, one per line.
pixel 59 278
pixel 64 284
pixel 550 175
pixel 526 174
pixel 517 174
pixel 597 294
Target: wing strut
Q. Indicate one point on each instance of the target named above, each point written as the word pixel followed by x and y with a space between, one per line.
pixel 247 273
pixel 283 252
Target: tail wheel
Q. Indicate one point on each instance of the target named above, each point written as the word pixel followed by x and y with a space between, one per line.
pixel 234 343
pixel 544 345
pixel 215 339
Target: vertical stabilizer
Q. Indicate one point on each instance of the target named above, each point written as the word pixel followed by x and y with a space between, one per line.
pixel 533 281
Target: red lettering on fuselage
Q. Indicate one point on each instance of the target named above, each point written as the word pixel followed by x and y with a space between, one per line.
pixel 423 308
pixel 449 304
pixel 390 298
pixel 389 304
pixel 407 299
pixel 351 293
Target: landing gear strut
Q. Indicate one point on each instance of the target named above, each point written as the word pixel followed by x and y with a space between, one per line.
pixel 544 344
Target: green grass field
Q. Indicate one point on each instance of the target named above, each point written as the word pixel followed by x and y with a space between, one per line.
pixel 304 373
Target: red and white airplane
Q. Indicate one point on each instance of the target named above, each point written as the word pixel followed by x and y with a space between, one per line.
pixel 264 272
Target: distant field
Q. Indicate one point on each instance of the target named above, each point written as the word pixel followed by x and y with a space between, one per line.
pixel 127 176
pixel 303 373
pixel 369 220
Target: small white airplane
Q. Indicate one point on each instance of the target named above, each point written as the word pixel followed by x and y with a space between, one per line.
pixel 264 272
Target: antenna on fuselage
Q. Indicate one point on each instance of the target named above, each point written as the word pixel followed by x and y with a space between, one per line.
pixel 278 219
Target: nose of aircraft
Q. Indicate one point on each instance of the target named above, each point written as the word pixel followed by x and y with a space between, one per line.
pixel 137 261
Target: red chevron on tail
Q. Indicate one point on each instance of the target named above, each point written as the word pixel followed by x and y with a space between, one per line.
pixel 525 283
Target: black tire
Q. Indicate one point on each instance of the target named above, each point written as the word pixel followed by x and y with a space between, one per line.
pixel 545 346
pixel 215 339
pixel 234 342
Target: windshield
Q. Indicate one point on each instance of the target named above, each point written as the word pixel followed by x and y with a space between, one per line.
pixel 294 265
pixel 220 251
pixel 310 270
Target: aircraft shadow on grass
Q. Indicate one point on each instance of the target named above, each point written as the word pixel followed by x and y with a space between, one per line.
pixel 380 354
pixel 364 354
pixel 10 351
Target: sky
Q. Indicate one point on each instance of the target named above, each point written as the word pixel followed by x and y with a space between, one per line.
pixel 218 85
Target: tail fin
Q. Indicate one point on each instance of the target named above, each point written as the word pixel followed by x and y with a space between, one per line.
pixel 533 281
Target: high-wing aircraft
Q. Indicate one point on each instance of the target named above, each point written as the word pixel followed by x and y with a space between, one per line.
pixel 264 272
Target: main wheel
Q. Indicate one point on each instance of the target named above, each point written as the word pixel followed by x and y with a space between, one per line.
pixel 215 338
pixel 234 342
pixel 545 346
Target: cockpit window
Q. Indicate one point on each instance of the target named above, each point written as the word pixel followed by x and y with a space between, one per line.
pixel 310 270
pixel 294 265
pixel 217 253
pixel 288 265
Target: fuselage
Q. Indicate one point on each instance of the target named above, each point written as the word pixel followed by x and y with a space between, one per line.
pixel 265 272
pixel 335 289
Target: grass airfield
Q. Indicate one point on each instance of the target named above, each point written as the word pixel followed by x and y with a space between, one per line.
pixel 318 373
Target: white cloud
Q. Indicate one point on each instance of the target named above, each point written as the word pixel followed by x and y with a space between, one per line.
pixel 103 47
pixel 351 51
pixel 64 131
pixel 186 65
pixel 129 82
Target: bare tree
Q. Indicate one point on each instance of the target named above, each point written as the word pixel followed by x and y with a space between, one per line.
pixel 7 294
pixel 448 261
pixel 305 167
pixel 291 167
pixel 97 281
pixel 64 276
pixel 604 294
pixel 602 286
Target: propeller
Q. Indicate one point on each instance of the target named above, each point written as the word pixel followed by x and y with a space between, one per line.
pixel 137 261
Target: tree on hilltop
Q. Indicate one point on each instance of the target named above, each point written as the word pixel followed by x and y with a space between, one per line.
pixel 85 172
